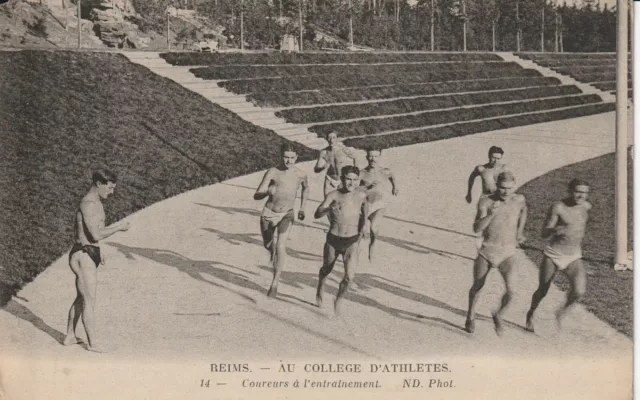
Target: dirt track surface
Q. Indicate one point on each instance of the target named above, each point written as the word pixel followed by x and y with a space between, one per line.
pixel 186 287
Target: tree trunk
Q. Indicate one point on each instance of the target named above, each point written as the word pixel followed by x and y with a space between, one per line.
pixel 350 25
pixel 242 25
pixel 300 20
pixel 518 25
pixel 464 26
pixel 79 23
pixel 542 31
pixel 557 33
pixel 561 36
pixel 432 25
pixel 493 32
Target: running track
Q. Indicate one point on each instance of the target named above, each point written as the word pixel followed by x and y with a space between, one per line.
pixel 185 287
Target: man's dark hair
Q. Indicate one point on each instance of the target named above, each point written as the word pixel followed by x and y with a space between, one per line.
pixel 373 148
pixel 350 169
pixel 103 176
pixel 505 176
pixel 495 149
pixel 577 182
pixel 287 146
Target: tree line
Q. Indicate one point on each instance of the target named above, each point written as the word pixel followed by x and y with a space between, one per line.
pixel 439 25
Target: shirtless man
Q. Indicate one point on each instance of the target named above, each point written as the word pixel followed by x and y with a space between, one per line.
pixel 565 229
pixel 333 159
pixel 501 218
pixel 346 208
pixel 371 179
pixel 281 185
pixel 488 172
pixel 84 257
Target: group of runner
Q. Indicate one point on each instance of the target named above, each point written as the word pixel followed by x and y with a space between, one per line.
pixel 353 201
pixel 500 219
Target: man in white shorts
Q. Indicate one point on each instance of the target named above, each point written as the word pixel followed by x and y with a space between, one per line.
pixel 280 184
pixel 333 159
pixel 371 180
pixel 565 228
pixel 501 218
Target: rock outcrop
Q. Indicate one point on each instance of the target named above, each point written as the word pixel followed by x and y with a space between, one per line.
pixel 113 29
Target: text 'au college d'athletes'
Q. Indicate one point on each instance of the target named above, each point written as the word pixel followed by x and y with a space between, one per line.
pixel 351 368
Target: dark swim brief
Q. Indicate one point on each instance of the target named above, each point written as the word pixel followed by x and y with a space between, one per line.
pixel 92 251
pixel 341 244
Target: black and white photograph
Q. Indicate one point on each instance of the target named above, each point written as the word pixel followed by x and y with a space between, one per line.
pixel 312 199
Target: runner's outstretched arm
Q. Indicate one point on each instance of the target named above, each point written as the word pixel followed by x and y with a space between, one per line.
pixel 263 188
pixel 522 220
pixel 550 228
pixel 324 207
pixel 304 195
pixel 321 164
pixel 472 179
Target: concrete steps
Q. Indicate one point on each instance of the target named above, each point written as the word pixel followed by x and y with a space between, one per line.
pixel 564 79
pixel 209 89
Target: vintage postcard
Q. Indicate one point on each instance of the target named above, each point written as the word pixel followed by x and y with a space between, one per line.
pixel 257 199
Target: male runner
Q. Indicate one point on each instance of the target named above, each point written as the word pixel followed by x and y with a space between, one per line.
pixel 566 224
pixel 84 257
pixel 333 159
pixel 347 209
pixel 281 185
pixel 501 218
pixel 372 178
pixel 488 172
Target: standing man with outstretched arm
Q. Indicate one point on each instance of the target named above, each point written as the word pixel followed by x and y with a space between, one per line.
pixel 488 172
pixel 565 229
pixel 347 209
pixel 280 184
pixel 501 218
pixel 333 159
pixel 84 258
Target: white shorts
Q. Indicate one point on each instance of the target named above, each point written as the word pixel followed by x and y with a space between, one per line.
pixel 561 260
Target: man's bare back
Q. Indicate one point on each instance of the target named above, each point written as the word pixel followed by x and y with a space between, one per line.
pixel 96 209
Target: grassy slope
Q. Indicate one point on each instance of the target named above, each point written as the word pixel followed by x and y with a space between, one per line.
pixel 609 293
pixel 63 114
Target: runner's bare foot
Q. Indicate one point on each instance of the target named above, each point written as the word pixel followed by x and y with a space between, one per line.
pixel 559 314
pixel 97 349
pixel 529 326
pixel 497 322
pixel 273 292
pixel 337 307
pixel 470 326
pixel 71 340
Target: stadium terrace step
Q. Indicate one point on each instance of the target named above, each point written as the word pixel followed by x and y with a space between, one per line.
pixel 564 79
pixel 238 103
pixel 210 90
pixel 228 102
